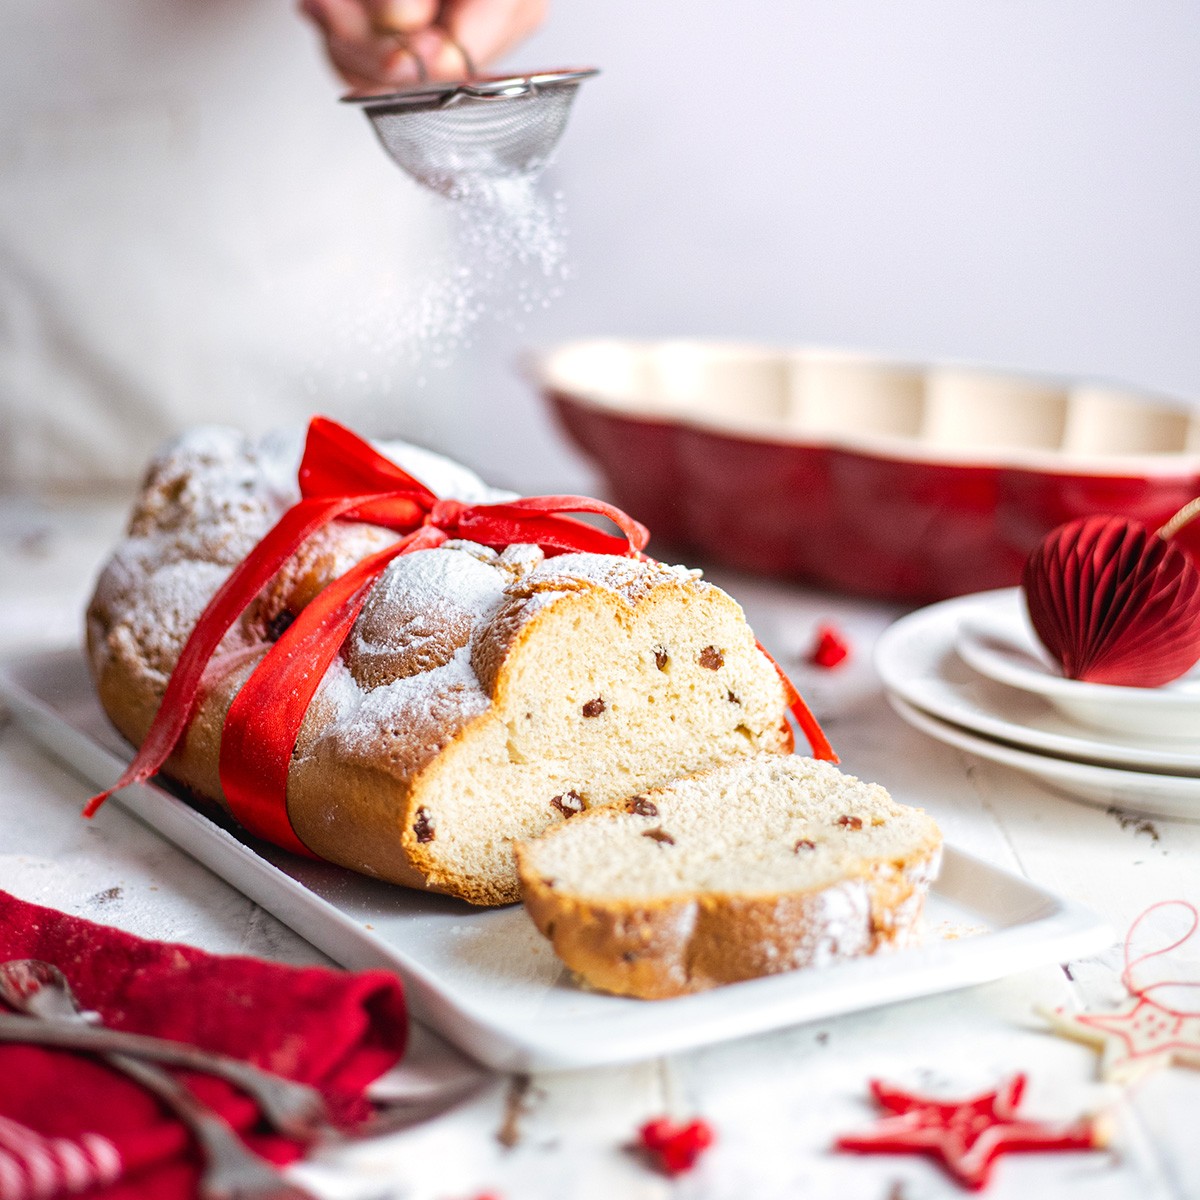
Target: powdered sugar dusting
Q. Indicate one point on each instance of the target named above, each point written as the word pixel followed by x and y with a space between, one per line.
pixel 434 602
pixel 500 259
pixel 423 711
pixel 424 607
pixel 838 927
pixel 426 579
pixel 206 504
pixel 630 577
pixel 507 261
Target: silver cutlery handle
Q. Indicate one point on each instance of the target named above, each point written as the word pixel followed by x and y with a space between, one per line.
pixel 294 1109
pixel 232 1171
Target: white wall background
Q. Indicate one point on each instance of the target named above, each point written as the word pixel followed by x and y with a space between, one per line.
pixel 1010 181
pixel 192 229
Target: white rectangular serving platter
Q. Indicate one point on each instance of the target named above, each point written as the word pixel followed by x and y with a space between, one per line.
pixel 485 978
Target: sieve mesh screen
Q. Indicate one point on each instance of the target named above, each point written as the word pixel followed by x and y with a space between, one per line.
pixel 466 136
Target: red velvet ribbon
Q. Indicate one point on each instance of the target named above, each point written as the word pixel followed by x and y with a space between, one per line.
pixel 343 478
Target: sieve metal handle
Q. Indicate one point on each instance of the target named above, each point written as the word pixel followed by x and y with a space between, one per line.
pixel 402 37
pixel 468 61
pixel 402 44
pixel 464 91
pixel 433 95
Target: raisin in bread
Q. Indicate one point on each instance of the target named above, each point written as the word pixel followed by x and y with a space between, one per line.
pixel 759 866
pixel 481 697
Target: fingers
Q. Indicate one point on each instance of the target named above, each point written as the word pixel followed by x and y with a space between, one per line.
pixel 374 43
pixel 362 56
pixel 402 16
pixel 488 29
pixel 370 66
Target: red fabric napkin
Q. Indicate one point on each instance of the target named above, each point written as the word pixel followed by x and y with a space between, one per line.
pixel 70 1124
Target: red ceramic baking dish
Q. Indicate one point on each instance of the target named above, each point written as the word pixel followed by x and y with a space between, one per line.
pixel 905 481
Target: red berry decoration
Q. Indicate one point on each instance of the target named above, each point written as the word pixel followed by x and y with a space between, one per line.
pixel 1114 602
pixel 967 1135
pixel 830 648
pixel 674 1148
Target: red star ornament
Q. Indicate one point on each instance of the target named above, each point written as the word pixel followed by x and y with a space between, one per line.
pixel 967 1135
pixel 1134 1040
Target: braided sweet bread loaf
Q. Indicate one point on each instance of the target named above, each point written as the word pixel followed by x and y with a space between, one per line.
pixel 482 696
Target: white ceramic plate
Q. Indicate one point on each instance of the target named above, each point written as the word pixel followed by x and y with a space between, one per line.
pixel 1134 791
pixel 919 660
pixel 488 981
pixel 996 639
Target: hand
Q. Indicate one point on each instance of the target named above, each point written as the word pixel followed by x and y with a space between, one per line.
pixel 385 43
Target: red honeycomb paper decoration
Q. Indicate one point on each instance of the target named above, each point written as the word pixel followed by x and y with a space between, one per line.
pixel 1114 602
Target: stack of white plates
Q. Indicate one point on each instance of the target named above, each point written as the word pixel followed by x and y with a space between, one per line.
pixel 970 672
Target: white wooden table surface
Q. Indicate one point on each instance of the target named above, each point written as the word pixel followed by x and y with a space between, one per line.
pixel 776 1101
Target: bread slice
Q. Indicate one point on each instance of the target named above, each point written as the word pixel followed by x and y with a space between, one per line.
pixel 760 866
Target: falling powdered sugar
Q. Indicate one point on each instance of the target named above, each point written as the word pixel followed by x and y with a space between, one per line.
pixel 500 254
pixel 506 257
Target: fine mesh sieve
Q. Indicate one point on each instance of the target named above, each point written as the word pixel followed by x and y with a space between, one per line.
pixel 454 137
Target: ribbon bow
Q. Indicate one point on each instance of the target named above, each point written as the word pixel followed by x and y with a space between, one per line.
pixel 343 478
